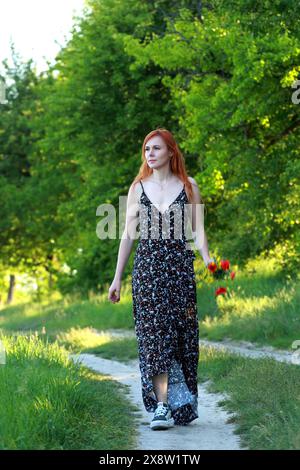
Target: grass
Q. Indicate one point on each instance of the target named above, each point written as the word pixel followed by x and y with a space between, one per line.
pixel 263 395
pixel 49 402
pixel 264 309
pixel 86 340
pixel 64 314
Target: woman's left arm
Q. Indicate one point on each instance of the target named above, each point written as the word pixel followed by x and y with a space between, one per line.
pixel 198 232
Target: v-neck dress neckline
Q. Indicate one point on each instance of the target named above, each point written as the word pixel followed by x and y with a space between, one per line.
pixel 162 213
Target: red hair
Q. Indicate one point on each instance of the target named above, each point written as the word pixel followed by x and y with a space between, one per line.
pixel 177 163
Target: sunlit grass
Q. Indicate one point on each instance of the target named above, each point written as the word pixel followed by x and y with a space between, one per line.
pixel 65 314
pixel 87 340
pixel 264 309
pixel 266 315
pixel 79 339
pixel 263 394
pixel 48 402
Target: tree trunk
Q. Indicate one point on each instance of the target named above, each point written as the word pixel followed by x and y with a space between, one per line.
pixel 11 289
pixel 50 281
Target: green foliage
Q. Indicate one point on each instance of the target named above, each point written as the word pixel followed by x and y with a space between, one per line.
pixel 230 74
pixel 217 74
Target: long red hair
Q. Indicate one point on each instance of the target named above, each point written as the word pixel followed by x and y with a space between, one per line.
pixel 177 163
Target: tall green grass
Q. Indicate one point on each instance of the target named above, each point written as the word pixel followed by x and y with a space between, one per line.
pixel 49 402
pixel 263 394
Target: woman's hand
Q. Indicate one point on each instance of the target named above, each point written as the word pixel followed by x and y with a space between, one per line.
pixel 209 260
pixel 114 291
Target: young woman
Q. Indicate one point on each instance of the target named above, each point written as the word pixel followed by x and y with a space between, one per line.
pixel 163 280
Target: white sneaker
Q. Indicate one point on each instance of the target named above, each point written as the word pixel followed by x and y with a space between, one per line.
pixel 162 418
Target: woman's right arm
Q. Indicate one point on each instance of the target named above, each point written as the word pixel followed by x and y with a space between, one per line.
pixel 126 244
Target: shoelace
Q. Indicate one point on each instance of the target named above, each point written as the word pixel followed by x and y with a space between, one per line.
pixel 161 410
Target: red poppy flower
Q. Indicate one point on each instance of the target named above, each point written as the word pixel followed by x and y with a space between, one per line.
pixel 224 264
pixel 232 274
pixel 221 291
pixel 212 266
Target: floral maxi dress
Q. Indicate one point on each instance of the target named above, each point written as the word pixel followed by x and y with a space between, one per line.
pixel 165 307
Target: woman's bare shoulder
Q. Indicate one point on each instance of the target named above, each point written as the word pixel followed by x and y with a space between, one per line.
pixel 136 188
pixel 195 188
pixel 192 180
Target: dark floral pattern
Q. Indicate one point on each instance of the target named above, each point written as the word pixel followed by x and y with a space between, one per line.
pixel 165 308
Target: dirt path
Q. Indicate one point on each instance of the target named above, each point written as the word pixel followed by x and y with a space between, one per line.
pixel 244 348
pixel 209 431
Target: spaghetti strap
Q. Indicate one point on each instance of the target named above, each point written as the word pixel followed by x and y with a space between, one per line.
pixel 142 186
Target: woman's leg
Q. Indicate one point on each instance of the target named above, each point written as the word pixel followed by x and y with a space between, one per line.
pixel 160 385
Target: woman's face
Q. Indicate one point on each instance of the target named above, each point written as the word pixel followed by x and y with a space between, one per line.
pixel 156 152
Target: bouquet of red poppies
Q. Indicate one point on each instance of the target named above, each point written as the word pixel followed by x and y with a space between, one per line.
pixel 220 270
